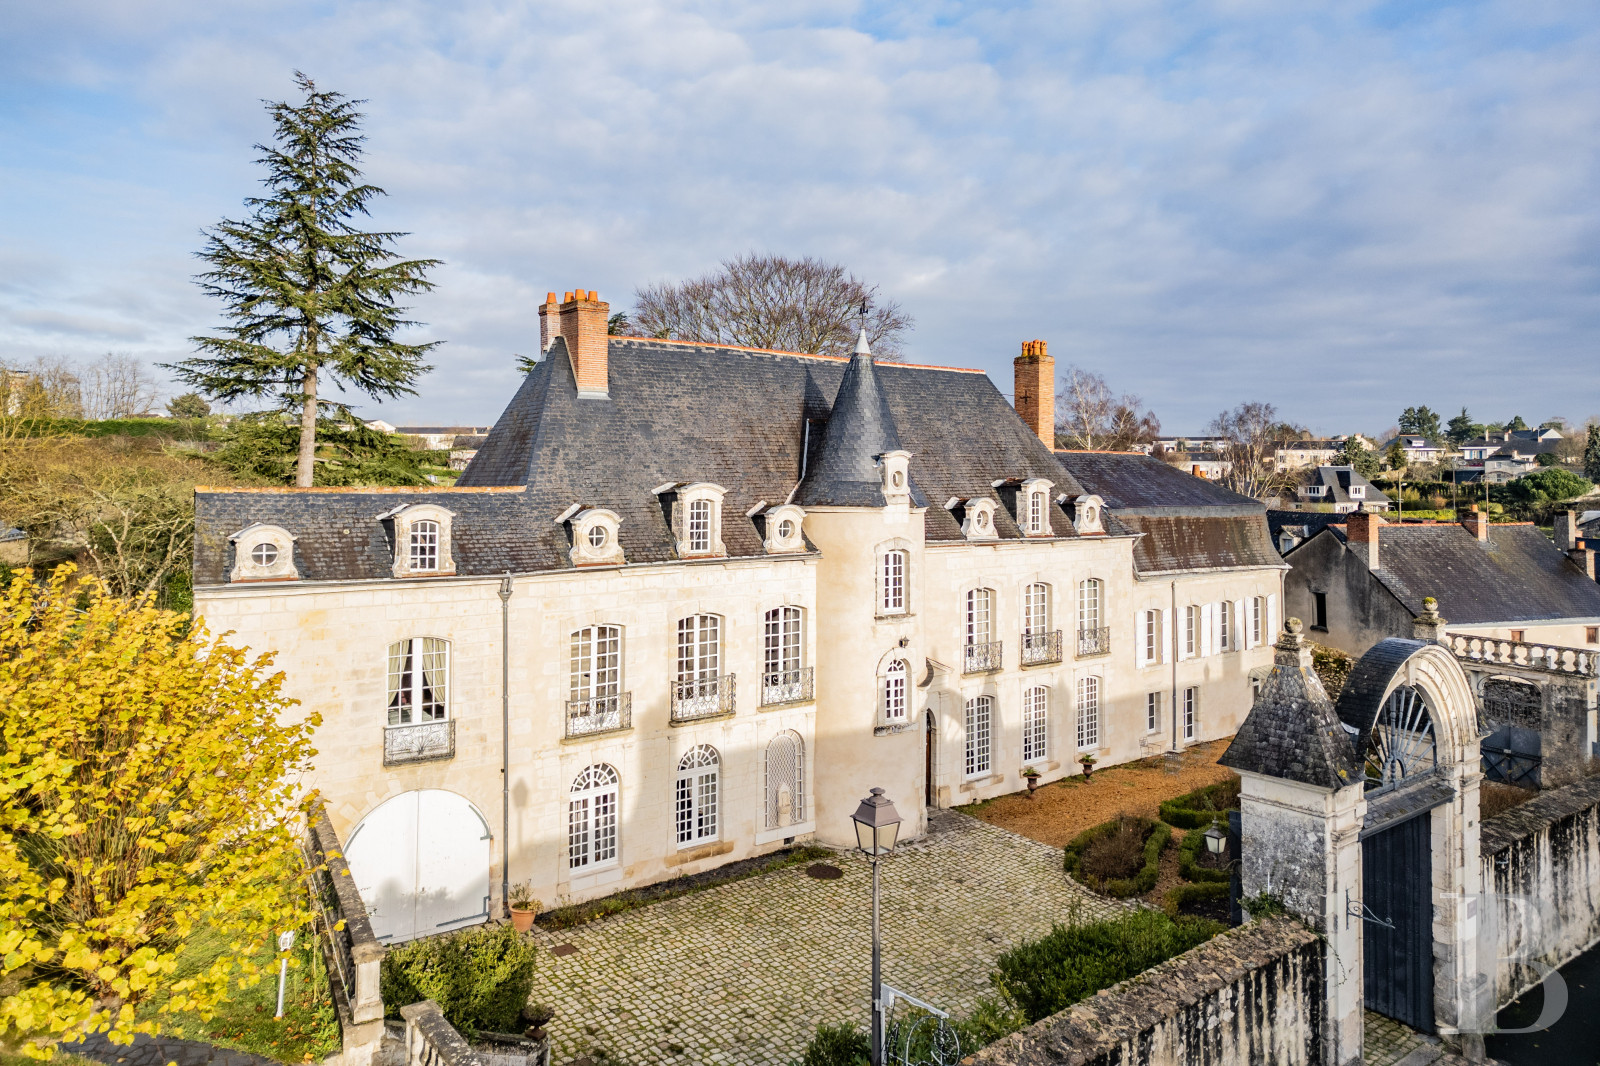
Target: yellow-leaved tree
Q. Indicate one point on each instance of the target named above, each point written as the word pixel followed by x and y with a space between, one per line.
pixel 149 786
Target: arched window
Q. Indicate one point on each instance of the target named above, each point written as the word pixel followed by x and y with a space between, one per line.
pixel 1035 724
pixel 419 681
pixel 597 701
pixel 1088 712
pixel 1036 609
pixel 783 678
pixel 1088 606
pixel 1036 505
pixel 785 784
pixel 894 692
pixel 892 583
pixel 980 719
pixel 697 795
pixel 700 526
pixel 592 819
pixel 980 616
pixel 424 545
pixel 698 687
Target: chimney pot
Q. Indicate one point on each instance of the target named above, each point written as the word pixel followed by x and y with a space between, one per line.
pixel 566 297
pixel 1361 530
pixel 583 327
pixel 1476 523
pixel 549 322
pixel 1034 390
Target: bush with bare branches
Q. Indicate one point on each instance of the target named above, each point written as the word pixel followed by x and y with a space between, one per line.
pixel 1089 417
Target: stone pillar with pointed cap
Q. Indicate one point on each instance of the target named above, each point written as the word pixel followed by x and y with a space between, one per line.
pixel 1301 807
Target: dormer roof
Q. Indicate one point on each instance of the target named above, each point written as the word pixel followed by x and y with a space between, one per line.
pixel 844 470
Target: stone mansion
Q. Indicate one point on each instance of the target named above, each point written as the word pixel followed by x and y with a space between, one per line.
pixel 689 603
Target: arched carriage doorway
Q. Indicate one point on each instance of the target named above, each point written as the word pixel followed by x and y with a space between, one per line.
pixel 421 863
pixel 1410 713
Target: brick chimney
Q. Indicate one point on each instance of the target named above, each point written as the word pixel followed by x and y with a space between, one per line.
pixel 549 322
pixel 1361 532
pixel 1034 395
pixel 583 327
pixel 1476 523
pixel 1585 559
pixel 1567 530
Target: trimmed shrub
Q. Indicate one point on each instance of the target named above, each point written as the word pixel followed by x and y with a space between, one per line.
pixel 1073 962
pixel 479 977
pixel 837 1045
pixel 1094 850
pixel 1186 899
pixel 1198 809
pixel 1189 867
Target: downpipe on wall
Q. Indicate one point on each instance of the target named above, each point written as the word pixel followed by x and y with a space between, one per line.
pixel 505 745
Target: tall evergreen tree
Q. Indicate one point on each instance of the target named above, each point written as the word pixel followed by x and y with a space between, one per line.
pixel 1355 455
pixel 1591 454
pixel 1462 428
pixel 310 298
pixel 1421 420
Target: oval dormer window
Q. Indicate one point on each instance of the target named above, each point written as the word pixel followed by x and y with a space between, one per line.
pixel 785 529
pixel 597 537
pixel 983 520
pixel 897 479
pixel 1088 516
pixel 264 554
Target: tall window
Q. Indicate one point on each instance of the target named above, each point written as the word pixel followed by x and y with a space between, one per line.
pixel 1152 636
pixel 425 545
pixel 1320 617
pixel 596 663
pixel 1036 609
pixel 1152 712
pixel 1088 712
pixel 698 685
pixel 700 526
pixel 592 819
pixel 980 718
pixel 1089 605
pixel 1191 623
pixel 1224 625
pixel 894 692
pixel 697 795
pixel 1257 610
pixel 1191 696
pixel 1036 512
pixel 1035 724
pixel 419 680
pixel 781 679
pixel 785 784
pixel 980 616
pixel 892 583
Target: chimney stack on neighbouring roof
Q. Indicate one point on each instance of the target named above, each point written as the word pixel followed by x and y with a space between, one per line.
pixel 1585 558
pixel 1034 395
pixel 1361 532
pixel 549 322
pixel 1476 523
pixel 1567 530
pixel 583 327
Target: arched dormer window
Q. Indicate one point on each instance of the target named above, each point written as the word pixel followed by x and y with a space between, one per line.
pixel 422 540
pixel 263 553
pixel 1033 507
pixel 698 520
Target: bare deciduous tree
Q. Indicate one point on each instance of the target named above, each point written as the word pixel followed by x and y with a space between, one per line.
pixel 46 388
pixel 117 386
pixel 1249 433
pixel 1090 418
pixel 769 301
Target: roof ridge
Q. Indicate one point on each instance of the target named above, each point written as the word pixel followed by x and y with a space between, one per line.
pixel 797 355
pixel 329 490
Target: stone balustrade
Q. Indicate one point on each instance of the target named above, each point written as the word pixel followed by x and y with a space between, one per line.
pixel 1573 662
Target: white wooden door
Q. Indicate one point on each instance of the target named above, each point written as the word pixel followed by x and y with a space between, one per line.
pixel 421 863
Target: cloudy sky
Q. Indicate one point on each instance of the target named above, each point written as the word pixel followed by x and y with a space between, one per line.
pixel 1340 208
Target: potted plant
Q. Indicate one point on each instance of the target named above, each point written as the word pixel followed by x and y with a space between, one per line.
pixel 536 1016
pixel 524 908
pixel 1088 760
pixel 1030 775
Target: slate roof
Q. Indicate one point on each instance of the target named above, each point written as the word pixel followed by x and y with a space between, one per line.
pixel 1188 523
pixel 844 471
pixel 1303 524
pixel 677 413
pixel 1517 576
pixel 11 534
pixel 1292 731
pixel 1338 480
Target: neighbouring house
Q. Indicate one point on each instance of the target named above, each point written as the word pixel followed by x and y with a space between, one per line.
pixel 1209 465
pixel 1339 489
pixel 1358 583
pixel 380 425
pixel 13 547
pixel 438 438
pixel 699 599
pixel 1290 529
pixel 1504 455
pixel 1416 448
pixel 463 449
pixel 1200 443
pixel 1290 455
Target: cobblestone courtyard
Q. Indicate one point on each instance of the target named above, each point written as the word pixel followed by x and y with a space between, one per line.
pixel 745 972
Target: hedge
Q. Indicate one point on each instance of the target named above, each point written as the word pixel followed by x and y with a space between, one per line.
pixel 1197 809
pixel 1189 869
pixel 1139 883
pixel 480 977
pixel 1183 895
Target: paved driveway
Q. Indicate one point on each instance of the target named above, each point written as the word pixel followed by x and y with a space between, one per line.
pixel 745 972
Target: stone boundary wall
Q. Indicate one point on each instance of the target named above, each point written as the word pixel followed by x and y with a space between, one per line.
pixel 1252 994
pixel 1541 869
pixel 432 1041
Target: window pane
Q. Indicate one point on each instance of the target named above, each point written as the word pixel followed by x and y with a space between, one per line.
pixel 1088 712
pixel 400 683
pixel 433 680
pixel 1036 608
pixel 894 691
pixel 1089 604
pixel 425 546
pixel 892 590
pixel 1035 723
pixel 979 613
pixel 979 711
pixel 700 526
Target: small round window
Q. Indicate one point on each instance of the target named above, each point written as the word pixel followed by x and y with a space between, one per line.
pixel 897 479
pixel 983 519
pixel 264 554
pixel 785 529
pixel 597 537
pixel 1088 516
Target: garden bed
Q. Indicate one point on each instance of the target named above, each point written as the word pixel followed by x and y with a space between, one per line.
pixel 1118 858
pixel 1198 809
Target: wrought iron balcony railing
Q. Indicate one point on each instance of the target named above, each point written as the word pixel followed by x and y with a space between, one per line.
pixel 1092 642
pixel 786 686
pixel 422 742
pixel 982 658
pixel 1041 648
pixel 702 698
pixel 602 714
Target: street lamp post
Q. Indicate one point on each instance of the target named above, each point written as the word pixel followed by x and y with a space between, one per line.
pixel 877 826
pixel 285 942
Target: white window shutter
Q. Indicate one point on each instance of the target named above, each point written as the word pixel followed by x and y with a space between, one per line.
pixel 1241 624
pixel 1207 613
pixel 1166 635
pixel 1138 639
pixel 1272 618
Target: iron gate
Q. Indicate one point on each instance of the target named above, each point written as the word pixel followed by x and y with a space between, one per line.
pixel 1396 880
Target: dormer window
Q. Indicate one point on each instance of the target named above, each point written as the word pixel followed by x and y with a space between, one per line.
pixel 263 553
pixel 895 467
pixel 422 540
pixel 1089 515
pixel 1033 507
pixel 697 519
pixel 785 528
pixel 594 537
pixel 1357 491
pixel 979 520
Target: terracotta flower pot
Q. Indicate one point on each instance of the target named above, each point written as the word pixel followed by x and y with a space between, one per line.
pixel 522 920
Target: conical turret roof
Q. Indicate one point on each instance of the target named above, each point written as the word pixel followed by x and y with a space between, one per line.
pixel 843 471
